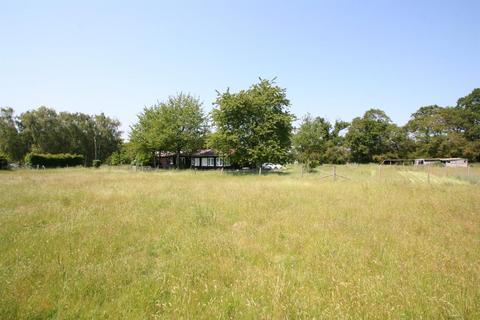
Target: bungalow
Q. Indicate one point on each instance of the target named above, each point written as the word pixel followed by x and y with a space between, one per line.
pixel 208 159
pixel 202 159
pixel 168 160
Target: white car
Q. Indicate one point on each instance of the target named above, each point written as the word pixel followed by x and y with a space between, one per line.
pixel 271 166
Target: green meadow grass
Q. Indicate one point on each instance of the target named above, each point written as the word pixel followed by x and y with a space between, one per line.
pixel 117 244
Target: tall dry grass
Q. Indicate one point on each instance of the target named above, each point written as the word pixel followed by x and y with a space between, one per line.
pixel 80 243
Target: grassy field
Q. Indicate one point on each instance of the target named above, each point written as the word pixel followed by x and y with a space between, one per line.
pixel 86 243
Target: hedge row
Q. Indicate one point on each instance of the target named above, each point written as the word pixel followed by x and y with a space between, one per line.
pixel 49 160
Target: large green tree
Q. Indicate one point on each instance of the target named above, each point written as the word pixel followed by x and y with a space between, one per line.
pixel 372 137
pixel 45 130
pixel 310 141
pixel 469 117
pixel 316 141
pixel 106 136
pixel 11 143
pixel 437 132
pixel 253 126
pixel 337 152
pixel 176 125
pixel 470 107
pixel 448 131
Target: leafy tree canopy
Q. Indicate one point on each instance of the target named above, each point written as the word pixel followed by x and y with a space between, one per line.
pixel 11 142
pixel 44 130
pixel 316 142
pixel 448 131
pixel 176 125
pixel 255 123
pixel 470 111
pixel 370 137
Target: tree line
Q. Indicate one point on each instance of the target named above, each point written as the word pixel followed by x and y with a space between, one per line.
pixel 43 130
pixel 255 125
pixel 250 127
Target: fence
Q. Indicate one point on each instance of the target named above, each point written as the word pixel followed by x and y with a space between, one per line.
pixel 351 172
pixel 394 173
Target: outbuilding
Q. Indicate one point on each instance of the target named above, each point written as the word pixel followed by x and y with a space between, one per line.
pixel 447 162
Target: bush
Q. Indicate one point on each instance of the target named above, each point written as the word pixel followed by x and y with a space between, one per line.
pixel 118 158
pixel 96 163
pixel 143 159
pixel 337 155
pixel 49 160
pixel 3 162
pixel 114 159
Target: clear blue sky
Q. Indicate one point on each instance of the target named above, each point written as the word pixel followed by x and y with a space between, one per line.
pixel 336 58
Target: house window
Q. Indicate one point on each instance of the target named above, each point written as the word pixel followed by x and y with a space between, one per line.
pixel 211 162
pixel 204 162
pixel 196 162
pixel 223 162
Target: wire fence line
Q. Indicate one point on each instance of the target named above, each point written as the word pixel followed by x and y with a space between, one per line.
pixel 385 173
pixel 334 173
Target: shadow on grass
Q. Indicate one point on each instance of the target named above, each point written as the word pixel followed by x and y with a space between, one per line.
pixel 255 173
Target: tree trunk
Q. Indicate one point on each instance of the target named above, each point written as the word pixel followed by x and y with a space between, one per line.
pixel 178 160
pixel 95 147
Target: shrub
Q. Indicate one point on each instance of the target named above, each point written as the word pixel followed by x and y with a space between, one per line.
pixel 118 158
pixel 337 155
pixel 96 163
pixel 3 162
pixel 143 159
pixel 49 160
pixel 114 159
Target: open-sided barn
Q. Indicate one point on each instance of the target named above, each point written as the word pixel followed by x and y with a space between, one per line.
pixel 447 162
